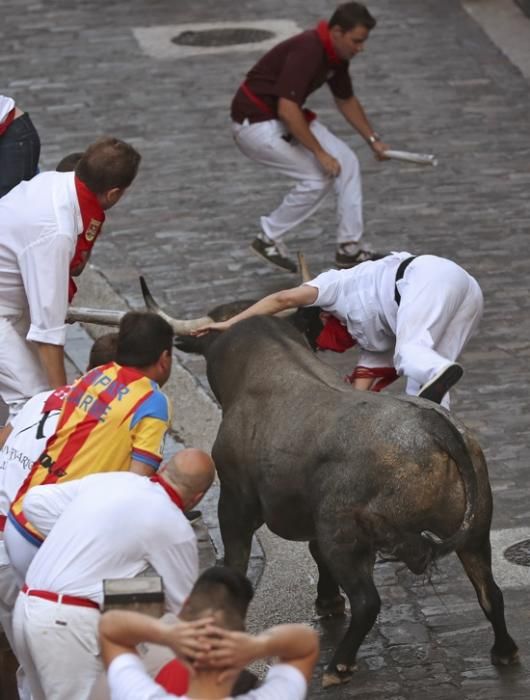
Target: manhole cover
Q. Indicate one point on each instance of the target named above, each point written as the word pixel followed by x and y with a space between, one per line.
pixel 221 37
pixel 518 553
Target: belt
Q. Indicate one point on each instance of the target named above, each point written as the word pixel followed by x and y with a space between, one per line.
pixel 399 275
pixel 58 598
pixel 3 519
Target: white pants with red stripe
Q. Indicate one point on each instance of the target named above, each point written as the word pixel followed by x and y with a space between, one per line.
pixel 263 143
pixel 58 648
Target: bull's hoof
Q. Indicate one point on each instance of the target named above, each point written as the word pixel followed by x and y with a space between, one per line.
pixel 342 675
pixel 330 606
pixel 506 659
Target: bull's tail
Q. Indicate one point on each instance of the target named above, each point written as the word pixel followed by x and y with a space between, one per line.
pixel 445 432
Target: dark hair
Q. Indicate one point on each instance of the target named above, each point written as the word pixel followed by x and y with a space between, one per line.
pixel 142 337
pixel 108 163
pixel 350 15
pixel 69 162
pixel 222 589
pixel 103 350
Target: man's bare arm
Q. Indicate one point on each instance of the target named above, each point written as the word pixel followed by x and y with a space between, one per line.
pixel 52 359
pixel 272 304
pixel 352 110
pixel 141 468
pixel 121 631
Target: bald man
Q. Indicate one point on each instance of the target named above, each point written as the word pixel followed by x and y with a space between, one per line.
pixel 104 526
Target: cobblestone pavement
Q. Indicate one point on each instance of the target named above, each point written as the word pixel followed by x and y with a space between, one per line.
pixel 432 81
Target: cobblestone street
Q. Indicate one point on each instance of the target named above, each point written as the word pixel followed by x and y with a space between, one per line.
pixel 432 81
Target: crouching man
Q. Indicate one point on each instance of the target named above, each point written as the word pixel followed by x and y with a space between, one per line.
pixel 103 526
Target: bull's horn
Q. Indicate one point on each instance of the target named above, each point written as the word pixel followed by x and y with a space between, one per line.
pixel 304 269
pixel 103 317
pixel 180 326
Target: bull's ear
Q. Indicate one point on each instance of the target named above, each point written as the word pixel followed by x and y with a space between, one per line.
pixel 307 321
pixel 194 345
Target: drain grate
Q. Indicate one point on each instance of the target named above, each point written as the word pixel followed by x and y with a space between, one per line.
pixel 518 553
pixel 222 37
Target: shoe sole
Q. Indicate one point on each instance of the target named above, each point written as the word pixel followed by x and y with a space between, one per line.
pixel 439 386
pixel 271 262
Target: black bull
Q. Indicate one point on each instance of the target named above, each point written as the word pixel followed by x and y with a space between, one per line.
pixel 351 472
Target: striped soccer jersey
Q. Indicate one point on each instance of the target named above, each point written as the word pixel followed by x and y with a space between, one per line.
pixel 111 415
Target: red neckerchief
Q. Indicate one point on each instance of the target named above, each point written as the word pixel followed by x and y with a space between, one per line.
pixel 55 400
pixel 334 336
pixel 322 30
pixel 93 217
pixel 174 495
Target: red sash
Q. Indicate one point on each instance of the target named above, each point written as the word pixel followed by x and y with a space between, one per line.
pixel 264 107
pixel 4 126
pixel 93 217
pixel 334 336
pixel 384 376
pixel 322 30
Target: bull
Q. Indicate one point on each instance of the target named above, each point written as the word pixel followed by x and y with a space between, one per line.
pixel 353 473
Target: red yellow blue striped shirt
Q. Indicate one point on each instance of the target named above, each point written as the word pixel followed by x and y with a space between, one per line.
pixel 111 415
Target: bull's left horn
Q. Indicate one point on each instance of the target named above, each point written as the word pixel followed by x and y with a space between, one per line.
pixel 304 269
pixel 102 317
pixel 180 326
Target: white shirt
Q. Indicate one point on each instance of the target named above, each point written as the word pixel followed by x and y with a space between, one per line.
pixel 30 430
pixel 40 220
pixel 362 298
pixel 110 525
pixel 6 105
pixel 128 680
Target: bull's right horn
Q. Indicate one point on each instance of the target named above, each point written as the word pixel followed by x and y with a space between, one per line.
pixel 103 317
pixel 180 326
pixel 304 269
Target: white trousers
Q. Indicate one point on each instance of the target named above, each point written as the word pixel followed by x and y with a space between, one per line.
pixel 19 550
pixel 441 306
pixel 263 143
pixel 21 373
pixel 58 648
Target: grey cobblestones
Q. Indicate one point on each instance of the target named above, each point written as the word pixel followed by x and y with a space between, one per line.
pixel 431 81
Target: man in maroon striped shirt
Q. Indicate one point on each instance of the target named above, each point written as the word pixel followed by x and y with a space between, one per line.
pixel 271 127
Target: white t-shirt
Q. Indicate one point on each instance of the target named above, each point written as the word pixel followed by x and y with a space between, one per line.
pixel 110 525
pixel 6 105
pixel 362 298
pixel 128 680
pixel 30 431
pixel 40 220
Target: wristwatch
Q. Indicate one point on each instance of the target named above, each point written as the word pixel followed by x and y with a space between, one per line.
pixel 373 138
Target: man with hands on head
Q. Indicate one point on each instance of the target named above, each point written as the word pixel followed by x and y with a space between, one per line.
pixel 210 637
pixel 413 314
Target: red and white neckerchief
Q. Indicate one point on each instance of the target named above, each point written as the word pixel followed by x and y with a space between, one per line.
pixel 10 116
pixel 322 30
pixel 171 492
pixel 93 217
pixel 383 376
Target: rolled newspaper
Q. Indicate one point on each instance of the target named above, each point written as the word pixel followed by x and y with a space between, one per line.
pixel 420 158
